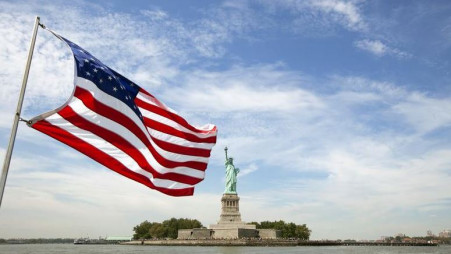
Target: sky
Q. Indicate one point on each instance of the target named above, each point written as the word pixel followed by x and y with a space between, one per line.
pixel 336 112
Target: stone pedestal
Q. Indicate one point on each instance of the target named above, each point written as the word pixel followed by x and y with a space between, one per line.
pixel 230 224
pixel 230 211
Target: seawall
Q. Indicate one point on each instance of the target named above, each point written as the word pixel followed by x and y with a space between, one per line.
pixel 262 242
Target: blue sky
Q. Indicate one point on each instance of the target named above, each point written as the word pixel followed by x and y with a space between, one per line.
pixel 336 112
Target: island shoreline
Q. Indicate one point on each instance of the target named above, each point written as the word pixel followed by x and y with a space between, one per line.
pixel 263 242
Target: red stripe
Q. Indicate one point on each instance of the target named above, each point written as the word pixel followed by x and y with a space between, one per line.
pixel 103 158
pixel 193 151
pixel 174 132
pixel 167 114
pixel 122 144
pixel 90 102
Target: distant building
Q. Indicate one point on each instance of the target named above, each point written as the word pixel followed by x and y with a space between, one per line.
pixel 444 234
pixel 384 238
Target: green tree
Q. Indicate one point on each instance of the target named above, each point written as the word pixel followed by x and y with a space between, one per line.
pixel 172 228
pixel 166 229
pixel 257 225
pixel 288 230
pixel 173 225
pixel 157 230
pixel 142 230
pixel 302 232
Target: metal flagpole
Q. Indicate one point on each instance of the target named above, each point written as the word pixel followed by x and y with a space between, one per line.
pixel 18 111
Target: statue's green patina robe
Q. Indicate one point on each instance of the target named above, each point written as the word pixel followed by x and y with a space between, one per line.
pixel 231 176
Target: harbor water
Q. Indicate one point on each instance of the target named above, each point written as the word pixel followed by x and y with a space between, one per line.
pixel 108 249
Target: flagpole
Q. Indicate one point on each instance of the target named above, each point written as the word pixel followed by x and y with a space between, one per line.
pixel 12 138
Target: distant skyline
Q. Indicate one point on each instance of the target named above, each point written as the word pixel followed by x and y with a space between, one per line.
pixel 336 112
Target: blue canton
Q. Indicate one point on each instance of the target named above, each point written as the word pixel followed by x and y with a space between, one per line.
pixel 106 79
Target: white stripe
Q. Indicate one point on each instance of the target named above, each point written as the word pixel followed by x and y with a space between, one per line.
pixel 173 124
pixel 99 120
pixel 178 141
pixel 144 97
pixel 112 151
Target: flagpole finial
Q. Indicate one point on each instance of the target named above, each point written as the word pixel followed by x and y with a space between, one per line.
pixel 39 22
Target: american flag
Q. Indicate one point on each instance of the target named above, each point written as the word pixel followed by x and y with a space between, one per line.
pixel 120 125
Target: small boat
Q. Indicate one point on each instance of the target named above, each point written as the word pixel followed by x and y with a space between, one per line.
pixel 81 241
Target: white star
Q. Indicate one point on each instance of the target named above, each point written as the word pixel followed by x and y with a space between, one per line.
pixel 126 97
pixel 81 51
pixel 87 73
pixel 132 84
pixel 122 87
pixel 86 60
pixel 95 70
pixel 110 78
pixel 101 80
pixel 102 67
pixel 92 58
pixel 114 89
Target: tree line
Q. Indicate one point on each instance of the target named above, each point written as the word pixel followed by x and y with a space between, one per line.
pixel 169 228
pixel 288 230
pixel 166 229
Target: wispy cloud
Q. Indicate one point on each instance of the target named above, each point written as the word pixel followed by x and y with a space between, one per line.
pixel 245 89
pixel 425 114
pixel 345 12
pixel 378 48
pixel 248 170
pixel 318 18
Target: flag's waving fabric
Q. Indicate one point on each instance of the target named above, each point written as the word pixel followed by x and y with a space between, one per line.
pixel 125 128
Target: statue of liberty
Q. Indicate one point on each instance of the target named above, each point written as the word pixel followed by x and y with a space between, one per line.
pixel 231 173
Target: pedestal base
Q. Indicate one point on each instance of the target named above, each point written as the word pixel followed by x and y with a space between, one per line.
pixel 230 225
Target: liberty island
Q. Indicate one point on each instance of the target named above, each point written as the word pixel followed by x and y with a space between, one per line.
pixel 230 230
